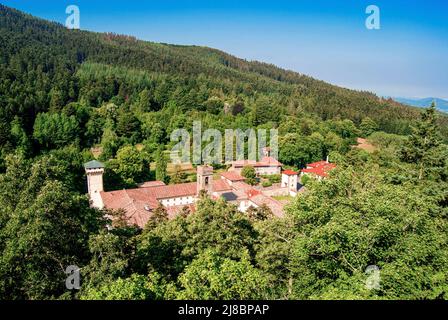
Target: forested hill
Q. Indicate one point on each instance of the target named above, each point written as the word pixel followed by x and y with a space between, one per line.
pixel 68 97
pixel 41 62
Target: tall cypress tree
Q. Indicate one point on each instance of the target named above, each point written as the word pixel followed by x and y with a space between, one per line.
pixel 161 165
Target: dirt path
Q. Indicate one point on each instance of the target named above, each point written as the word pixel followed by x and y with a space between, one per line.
pixel 365 145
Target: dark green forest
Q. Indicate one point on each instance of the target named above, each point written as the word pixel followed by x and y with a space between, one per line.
pixel 69 96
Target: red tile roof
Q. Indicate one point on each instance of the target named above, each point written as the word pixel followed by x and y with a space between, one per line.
pixel 275 206
pixel 232 176
pixel 317 164
pixel 149 184
pixel 138 203
pixel 252 192
pixel 269 161
pixel 290 172
pixel 221 185
pixel 136 212
pixel 264 162
pixel 319 168
pixel 240 185
pixel 172 190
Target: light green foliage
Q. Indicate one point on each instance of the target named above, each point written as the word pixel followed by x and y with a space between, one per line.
pixel 131 165
pixel 212 277
pixel 55 129
pixel 334 143
pixel 386 140
pixel 153 130
pixel 206 229
pixel 305 179
pixel 266 184
pixel 368 126
pixel 135 287
pixel 356 220
pixel 94 128
pixel 170 246
pixel 109 141
pixel 299 150
pixel 249 173
pixel 265 110
pixel 345 129
pixel 274 178
pixel 144 101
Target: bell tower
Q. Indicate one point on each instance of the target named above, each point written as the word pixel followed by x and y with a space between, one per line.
pixel 204 179
pixel 94 171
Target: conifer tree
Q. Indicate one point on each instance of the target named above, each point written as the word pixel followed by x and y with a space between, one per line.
pixel 161 165
pixel 425 138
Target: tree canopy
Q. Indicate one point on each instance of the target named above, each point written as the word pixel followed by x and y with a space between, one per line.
pixel 70 96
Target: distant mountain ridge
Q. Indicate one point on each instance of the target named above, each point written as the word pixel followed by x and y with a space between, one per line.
pixel 441 104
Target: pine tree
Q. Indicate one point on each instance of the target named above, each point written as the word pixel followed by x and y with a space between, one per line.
pixel 425 138
pixel 368 126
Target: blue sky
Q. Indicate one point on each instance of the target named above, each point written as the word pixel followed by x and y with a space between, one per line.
pixel 326 39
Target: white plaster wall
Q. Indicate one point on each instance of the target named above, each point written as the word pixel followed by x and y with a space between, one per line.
pixel 244 205
pixel 170 202
pixel 285 180
pixel 267 170
pixel 94 187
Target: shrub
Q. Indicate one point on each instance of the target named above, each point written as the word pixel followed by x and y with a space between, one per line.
pixel 275 178
pixel 266 184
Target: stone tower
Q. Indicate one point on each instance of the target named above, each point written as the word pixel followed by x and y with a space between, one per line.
pixel 205 179
pixel 94 171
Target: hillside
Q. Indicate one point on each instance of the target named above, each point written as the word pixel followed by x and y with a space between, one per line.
pixel 69 97
pixel 35 54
